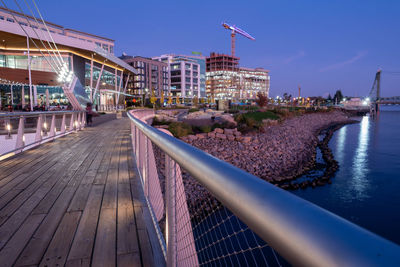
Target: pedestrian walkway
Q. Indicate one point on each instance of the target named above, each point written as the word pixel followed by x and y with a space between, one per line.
pixel 76 201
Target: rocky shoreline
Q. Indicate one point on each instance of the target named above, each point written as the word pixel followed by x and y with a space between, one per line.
pixel 279 155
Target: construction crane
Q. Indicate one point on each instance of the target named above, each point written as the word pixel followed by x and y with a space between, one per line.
pixel 235 30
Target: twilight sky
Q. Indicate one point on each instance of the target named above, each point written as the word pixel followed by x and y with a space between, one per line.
pixel 323 45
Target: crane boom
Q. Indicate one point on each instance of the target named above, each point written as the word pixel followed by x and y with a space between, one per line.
pixel 235 30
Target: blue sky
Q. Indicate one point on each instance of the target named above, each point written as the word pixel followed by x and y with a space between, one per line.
pixel 323 45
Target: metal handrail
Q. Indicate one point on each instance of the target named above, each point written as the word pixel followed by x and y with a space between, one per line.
pixel 303 233
pixel 75 124
pixel 35 113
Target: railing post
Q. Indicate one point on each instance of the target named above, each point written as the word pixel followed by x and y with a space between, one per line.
pixel 146 165
pixel 78 126
pixel 170 191
pixel 38 135
pixel 44 127
pixel 20 135
pixel 83 119
pixel 137 143
pixel 62 129
pixel 71 123
pixel 53 126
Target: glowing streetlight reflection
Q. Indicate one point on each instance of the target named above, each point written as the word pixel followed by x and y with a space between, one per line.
pixel 360 161
pixel 341 144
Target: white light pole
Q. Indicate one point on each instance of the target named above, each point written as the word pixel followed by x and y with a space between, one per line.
pixel 29 72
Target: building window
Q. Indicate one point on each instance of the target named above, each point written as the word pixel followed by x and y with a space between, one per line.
pixel 10 20
pixel 194 67
pixel 105 47
pixel 175 73
pixel 175 66
pixel 187 66
pixel 111 49
pixel 175 79
pixel 98 44
pixel 187 73
pixel 1 17
pixel 188 79
pixel 195 80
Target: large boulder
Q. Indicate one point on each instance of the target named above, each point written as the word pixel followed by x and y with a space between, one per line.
pixel 219 130
pixel 211 134
pixel 201 135
pixel 229 131
pixel 220 136
pixel 228 119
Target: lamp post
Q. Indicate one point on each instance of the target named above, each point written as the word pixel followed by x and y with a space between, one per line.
pixel 144 95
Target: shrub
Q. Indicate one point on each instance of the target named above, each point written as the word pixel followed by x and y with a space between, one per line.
pixel 157 121
pixel 205 128
pixel 179 129
pixel 193 110
pixel 232 111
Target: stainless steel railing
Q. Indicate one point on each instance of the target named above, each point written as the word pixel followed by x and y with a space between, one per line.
pixel 13 130
pixel 303 233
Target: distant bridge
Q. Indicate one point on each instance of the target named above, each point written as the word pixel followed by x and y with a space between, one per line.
pixel 375 95
pixel 394 100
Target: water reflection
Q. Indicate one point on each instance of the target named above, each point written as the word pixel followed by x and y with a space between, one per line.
pixel 340 145
pixel 360 161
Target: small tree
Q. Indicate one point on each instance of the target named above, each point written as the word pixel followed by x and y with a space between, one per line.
pixel 153 98
pixel 261 100
pixel 169 100
pixel 195 100
pixel 338 96
pixel 162 99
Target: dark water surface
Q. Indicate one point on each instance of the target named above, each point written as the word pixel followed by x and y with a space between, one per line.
pixel 366 188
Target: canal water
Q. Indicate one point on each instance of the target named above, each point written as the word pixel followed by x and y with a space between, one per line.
pixel 366 188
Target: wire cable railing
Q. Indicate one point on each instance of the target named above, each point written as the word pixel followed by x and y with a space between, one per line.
pixel 210 213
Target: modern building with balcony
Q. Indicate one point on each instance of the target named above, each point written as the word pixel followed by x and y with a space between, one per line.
pixel 152 75
pixel 35 54
pixel 186 75
pixel 225 80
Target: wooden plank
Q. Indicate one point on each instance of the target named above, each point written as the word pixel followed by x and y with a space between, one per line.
pixel 111 190
pixel 16 219
pixel 45 232
pixel 28 180
pixel 82 245
pixel 145 248
pixel 129 260
pixel 71 174
pixel 127 235
pixel 10 252
pixel 78 263
pixel 35 248
pixel 28 159
pixel 105 244
pixel 56 253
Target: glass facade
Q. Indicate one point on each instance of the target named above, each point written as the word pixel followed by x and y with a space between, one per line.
pixel 39 63
pixel 12 95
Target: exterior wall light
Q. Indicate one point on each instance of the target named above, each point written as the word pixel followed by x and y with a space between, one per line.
pixel 8 128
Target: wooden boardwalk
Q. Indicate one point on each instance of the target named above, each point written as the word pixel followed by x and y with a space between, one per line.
pixel 76 201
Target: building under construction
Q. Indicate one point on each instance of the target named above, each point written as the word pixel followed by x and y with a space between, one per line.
pixel 226 80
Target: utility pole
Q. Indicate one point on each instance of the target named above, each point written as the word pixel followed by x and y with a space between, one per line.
pixel 29 72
